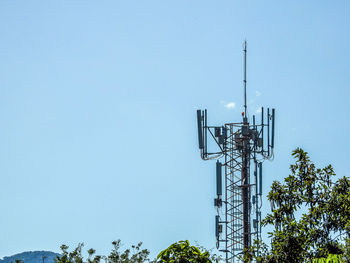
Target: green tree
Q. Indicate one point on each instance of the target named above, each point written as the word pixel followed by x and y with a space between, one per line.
pixel 180 252
pixel 322 229
pixel 131 255
pixel 74 256
pixel 183 252
pixel 329 259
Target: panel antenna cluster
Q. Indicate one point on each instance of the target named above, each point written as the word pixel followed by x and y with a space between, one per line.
pixel 241 148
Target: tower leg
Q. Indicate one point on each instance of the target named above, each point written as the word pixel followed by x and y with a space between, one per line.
pixel 246 201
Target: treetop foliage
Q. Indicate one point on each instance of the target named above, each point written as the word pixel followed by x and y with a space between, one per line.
pixel 322 229
pixel 131 255
pixel 183 252
pixel 179 252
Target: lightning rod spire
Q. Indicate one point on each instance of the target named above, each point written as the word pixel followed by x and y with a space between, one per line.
pixel 245 78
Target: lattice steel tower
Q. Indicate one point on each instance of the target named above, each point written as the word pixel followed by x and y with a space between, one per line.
pixel 242 147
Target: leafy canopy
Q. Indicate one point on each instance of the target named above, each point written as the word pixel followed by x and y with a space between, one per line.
pixel 133 255
pixel 182 252
pixel 323 225
pixel 179 252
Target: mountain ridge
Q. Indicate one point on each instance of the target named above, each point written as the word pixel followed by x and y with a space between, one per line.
pixel 32 257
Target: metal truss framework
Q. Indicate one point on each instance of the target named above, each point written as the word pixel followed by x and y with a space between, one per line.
pixel 242 146
pixel 237 193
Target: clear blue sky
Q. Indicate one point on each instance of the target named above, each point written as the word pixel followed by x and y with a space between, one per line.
pixel 98 135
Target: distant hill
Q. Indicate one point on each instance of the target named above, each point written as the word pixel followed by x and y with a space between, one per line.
pixel 32 257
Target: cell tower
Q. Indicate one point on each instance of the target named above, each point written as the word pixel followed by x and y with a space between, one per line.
pixel 242 147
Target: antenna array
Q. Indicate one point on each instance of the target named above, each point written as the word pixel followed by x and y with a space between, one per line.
pixel 241 148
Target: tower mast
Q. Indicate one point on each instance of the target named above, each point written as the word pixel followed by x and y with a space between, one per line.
pixel 245 78
pixel 240 146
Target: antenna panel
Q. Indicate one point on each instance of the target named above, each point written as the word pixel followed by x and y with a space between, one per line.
pixel 273 129
pixel 200 129
pixel 260 178
pixel 218 179
pixel 217 227
pixel 268 131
